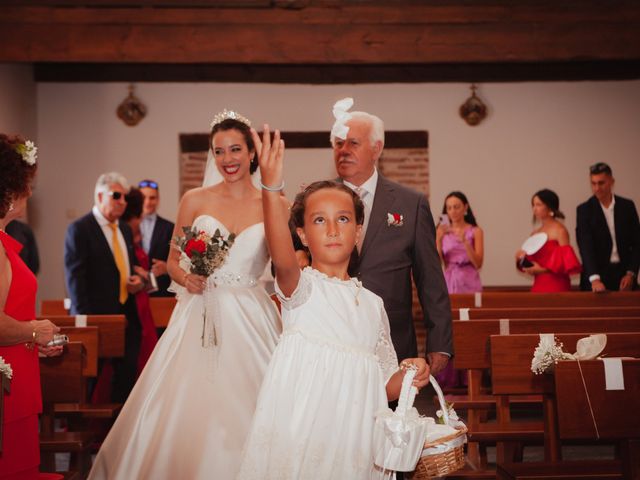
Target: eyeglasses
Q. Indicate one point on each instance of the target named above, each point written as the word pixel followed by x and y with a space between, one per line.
pixel 149 184
pixel 600 167
pixel 117 195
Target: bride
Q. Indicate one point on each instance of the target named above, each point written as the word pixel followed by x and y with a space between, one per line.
pixel 190 411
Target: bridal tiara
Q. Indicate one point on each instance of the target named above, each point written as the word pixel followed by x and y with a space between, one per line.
pixel 229 114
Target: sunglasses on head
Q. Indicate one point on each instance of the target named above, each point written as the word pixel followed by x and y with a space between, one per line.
pixel 148 184
pixel 117 195
pixel 600 167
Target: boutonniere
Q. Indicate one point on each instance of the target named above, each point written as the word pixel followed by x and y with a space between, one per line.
pixel 394 219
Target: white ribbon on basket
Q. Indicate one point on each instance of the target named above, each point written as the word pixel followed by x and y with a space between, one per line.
pixel 399 436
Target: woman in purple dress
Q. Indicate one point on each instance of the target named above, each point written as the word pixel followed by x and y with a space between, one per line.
pixel 460 243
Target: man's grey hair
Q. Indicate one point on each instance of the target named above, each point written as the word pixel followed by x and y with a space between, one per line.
pixel 376 123
pixel 106 180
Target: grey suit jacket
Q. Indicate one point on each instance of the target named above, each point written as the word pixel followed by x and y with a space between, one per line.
pixel 391 254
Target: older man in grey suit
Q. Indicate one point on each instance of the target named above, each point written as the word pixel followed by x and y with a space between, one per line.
pixel 399 241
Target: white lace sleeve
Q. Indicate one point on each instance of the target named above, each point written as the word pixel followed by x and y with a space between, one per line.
pixel 299 296
pixel 387 358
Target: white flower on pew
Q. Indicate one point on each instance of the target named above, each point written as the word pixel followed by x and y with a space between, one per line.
pixel 547 353
pixel 5 368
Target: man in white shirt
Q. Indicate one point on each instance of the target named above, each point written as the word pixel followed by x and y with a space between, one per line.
pixel 397 241
pixel 608 234
pixel 98 260
pixel 156 235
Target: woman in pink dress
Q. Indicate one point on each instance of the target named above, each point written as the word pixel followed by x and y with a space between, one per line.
pixel 556 260
pixel 460 243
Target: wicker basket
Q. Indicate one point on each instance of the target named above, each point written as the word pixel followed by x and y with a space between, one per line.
pixel 444 455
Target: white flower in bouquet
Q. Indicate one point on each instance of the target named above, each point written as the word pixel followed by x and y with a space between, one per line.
pixel 547 353
pixel 5 368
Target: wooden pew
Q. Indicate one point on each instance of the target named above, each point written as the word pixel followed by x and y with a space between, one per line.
pixel 62 381
pixel 528 299
pixel 88 336
pixel 54 307
pixel 471 342
pixel 161 310
pixel 616 411
pixel 110 327
pixel 546 312
pixel 568 414
pixel 511 371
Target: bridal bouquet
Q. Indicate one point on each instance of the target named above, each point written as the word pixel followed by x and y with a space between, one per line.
pixel 205 252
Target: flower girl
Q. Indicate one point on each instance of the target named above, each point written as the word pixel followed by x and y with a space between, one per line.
pixel 335 365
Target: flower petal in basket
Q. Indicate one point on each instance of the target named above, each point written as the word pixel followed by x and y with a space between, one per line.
pixel 590 347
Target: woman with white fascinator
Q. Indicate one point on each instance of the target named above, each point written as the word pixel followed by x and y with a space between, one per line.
pixel 190 411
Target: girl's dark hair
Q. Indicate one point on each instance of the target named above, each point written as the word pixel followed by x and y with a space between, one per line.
pixel 16 176
pixel 244 129
pixel 298 207
pixel 135 202
pixel 551 201
pixel 468 217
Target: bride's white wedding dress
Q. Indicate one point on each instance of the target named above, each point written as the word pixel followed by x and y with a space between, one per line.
pixel 189 413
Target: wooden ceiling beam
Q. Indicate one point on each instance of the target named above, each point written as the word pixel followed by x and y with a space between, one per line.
pixel 335 34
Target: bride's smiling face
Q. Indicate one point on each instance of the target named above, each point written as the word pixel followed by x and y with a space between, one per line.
pixel 231 154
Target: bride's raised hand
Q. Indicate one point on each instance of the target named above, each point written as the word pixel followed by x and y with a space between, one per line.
pixel 270 156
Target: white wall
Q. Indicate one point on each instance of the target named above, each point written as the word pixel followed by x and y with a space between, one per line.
pixel 537 135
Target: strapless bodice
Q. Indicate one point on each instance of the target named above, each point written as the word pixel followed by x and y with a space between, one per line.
pixel 247 257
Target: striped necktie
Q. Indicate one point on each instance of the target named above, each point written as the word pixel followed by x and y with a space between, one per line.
pixel 118 256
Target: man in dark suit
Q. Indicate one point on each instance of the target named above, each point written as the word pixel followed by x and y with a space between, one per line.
pixel 156 236
pixel 99 261
pixel 398 241
pixel 608 233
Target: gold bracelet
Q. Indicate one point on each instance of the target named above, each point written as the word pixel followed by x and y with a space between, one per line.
pixel 32 343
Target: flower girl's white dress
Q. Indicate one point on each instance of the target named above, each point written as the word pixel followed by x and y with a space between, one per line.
pixel 325 382
pixel 190 411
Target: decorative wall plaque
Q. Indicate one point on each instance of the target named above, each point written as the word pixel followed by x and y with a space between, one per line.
pixel 131 111
pixel 473 111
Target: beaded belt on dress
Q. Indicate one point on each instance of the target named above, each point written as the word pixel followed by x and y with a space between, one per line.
pixel 231 279
pixel 327 342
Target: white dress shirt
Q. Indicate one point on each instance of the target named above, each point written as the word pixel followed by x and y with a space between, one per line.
pixel 367 192
pixel 609 217
pixel 147 225
pixel 108 234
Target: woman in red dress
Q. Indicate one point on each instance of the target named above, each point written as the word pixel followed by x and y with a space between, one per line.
pixel 21 337
pixel 555 261
pixel 133 216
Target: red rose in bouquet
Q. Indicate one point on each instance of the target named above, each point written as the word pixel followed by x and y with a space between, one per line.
pixel 195 245
pixel 205 252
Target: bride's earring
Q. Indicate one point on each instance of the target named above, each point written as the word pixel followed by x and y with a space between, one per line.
pixel 11 207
